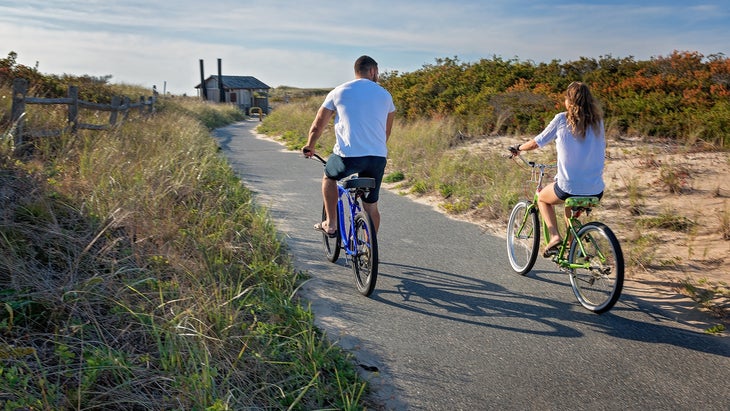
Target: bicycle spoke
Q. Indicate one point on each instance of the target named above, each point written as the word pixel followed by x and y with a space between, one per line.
pixel 523 237
pixel 365 254
pixel 597 267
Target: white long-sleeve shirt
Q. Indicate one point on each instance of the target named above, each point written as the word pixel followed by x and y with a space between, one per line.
pixel 580 160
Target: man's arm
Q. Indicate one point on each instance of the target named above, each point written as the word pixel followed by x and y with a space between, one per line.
pixel 321 120
pixel 389 125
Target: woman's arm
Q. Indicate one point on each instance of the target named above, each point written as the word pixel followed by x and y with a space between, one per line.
pixel 530 145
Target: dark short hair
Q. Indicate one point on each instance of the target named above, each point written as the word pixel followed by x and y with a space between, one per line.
pixel 364 63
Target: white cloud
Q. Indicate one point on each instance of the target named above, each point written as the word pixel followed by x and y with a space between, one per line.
pixel 312 43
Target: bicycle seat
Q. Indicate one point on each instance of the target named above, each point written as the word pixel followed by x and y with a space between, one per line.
pixel 582 202
pixel 359 182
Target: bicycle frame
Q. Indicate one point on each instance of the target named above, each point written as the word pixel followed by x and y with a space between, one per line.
pixel 347 231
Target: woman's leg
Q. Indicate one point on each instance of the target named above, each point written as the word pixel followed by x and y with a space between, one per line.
pixel 545 202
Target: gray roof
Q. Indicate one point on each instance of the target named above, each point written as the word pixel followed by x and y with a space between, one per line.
pixel 238 82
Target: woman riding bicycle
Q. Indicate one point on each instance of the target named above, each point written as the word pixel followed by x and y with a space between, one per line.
pixel 581 147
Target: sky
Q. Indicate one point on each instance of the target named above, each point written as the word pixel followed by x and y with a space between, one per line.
pixel 313 44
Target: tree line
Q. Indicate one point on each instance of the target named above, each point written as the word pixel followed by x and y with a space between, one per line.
pixel 683 97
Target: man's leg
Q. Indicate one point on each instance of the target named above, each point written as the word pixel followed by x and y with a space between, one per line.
pixel 329 193
pixel 375 169
pixel 372 210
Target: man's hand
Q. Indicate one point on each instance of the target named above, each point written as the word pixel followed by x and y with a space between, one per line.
pixel 308 152
pixel 514 150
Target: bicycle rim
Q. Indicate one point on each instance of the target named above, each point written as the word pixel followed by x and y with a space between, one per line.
pixel 598 285
pixel 331 245
pixel 523 237
pixel 365 258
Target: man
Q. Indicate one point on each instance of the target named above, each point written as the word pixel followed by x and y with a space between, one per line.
pixel 364 114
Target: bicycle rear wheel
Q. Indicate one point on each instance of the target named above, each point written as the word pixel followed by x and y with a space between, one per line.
pixel 598 285
pixel 365 259
pixel 523 237
pixel 331 244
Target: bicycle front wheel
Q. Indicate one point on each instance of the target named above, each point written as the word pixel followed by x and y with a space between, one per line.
pixel 523 237
pixel 365 258
pixel 598 282
pixel 331 244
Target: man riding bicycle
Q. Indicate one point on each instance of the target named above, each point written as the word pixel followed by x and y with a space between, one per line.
pixel 363 112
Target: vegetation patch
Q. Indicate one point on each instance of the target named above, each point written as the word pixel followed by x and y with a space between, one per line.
pixel 137 272
pixel 394 177
pixel 667 221
pixel 711 297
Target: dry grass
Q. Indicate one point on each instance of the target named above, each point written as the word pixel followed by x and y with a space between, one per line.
pixel 137 273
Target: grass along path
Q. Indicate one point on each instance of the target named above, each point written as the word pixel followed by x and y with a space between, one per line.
pixel 137 273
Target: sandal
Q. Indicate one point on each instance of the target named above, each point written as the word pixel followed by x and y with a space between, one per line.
pixel 552 250
pixel 319 227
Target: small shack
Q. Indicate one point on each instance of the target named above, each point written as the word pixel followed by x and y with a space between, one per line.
pixel 244 91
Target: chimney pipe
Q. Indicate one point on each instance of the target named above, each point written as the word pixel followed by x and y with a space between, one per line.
pixel 203 87
pixel 221 93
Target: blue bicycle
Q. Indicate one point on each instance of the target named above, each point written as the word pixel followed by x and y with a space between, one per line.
pixel 355 232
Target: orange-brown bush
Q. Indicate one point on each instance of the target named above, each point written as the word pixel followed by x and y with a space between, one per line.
pixel 682 97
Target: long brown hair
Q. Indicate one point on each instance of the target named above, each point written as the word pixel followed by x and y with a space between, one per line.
pixel 583 110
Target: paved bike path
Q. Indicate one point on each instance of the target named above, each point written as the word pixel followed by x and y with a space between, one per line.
pixel 450 326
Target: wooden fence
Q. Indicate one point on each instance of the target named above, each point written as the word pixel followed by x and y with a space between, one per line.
pixel 117 106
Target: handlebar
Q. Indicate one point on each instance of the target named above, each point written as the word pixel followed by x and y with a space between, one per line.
pixel 516 153
pixel 537 171
pixel 315 155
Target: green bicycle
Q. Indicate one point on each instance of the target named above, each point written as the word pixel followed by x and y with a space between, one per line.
pixel 590 253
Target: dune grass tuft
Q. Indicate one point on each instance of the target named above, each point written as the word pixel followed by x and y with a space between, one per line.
pixel 138 273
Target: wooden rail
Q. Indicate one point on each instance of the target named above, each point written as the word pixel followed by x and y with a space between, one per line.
pixel 118 105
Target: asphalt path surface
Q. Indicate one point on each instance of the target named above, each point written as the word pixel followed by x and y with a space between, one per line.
pixel 451 327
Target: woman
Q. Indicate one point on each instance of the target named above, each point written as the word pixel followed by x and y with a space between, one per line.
pixel 581 146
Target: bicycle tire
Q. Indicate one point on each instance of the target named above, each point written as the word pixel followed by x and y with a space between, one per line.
pixel 365 258
pixel 331 245
pixel 599 287
pixel 523 237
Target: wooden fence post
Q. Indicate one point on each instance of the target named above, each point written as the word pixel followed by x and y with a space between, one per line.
pixel 115 110
pixel 73 108
pixel 20 89
pixel 127 103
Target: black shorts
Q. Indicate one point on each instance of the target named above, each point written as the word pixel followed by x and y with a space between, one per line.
pixel 564 196
pixel 369 166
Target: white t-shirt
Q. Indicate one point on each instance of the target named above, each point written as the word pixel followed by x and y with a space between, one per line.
pixel 580 161
pixel 362 107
